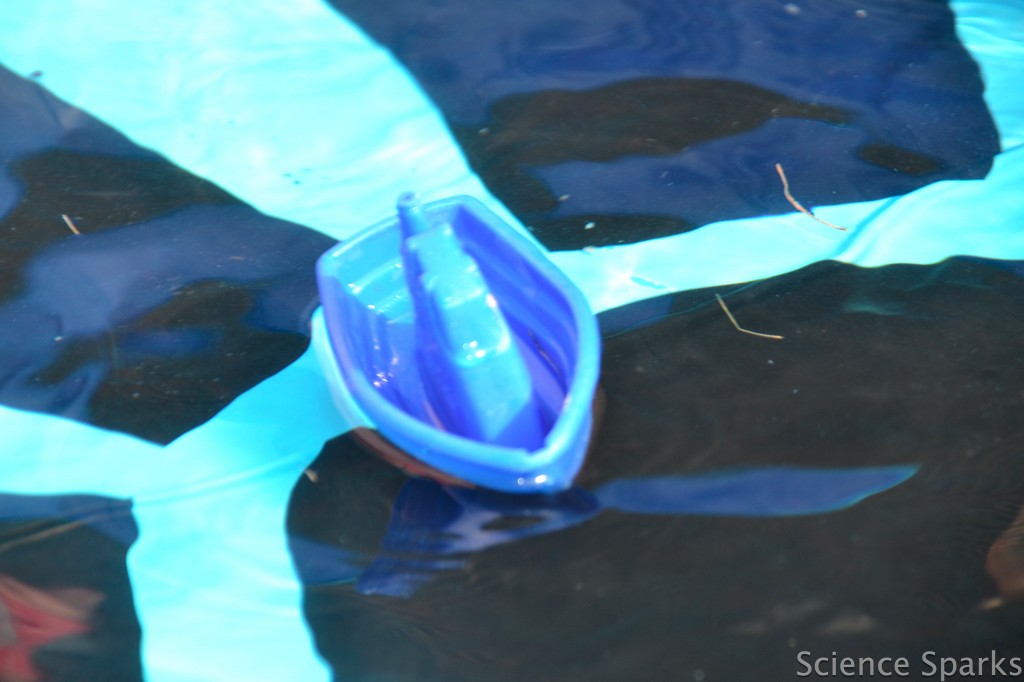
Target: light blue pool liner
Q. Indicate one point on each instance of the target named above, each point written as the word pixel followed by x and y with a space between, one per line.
pixel 216 592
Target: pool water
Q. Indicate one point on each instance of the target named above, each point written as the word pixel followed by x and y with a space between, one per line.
pixel 180 500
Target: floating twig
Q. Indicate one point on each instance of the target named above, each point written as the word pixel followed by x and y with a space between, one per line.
pixel 70 223
pixel 796 204
pixel 736 324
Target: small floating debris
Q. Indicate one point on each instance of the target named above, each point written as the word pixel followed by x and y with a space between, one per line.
pixel 70 223
pixel 736 324
pixel 796 204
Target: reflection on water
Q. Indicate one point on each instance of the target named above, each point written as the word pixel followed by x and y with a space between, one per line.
pixel 645 118
pixel 434 526
pixel 716 525
pixel 66 612
pixel 31 618
pixel 740 503
pixel 1005 561
pixel 172 300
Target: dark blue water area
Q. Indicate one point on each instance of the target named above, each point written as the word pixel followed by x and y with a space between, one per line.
pixel 173 300
pixel 648 118
pixel 66 609
pixel 855 486
pixel 852 486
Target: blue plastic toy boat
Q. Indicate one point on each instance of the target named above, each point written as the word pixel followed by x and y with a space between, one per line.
pixel 453 335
